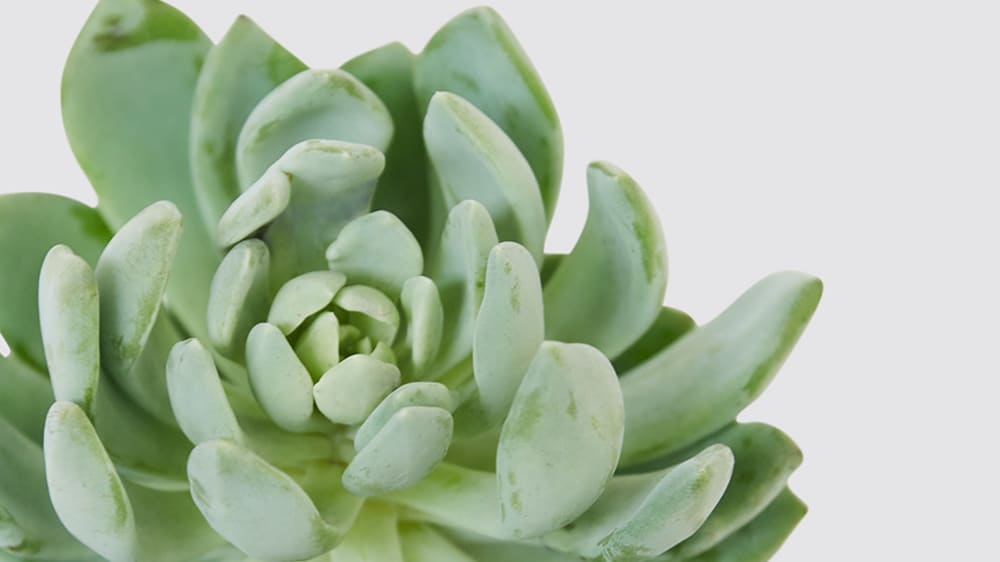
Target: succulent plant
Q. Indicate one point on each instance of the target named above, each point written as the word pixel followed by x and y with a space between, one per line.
pixel 355 348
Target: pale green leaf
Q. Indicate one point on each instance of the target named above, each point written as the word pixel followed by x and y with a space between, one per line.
pixel 472 158
pixel 127 92
pixel 560 443
pixel 668 327
pixel 86 492
pixel 610 288
pixel 424 317
pixel 700 383
pixel 170 528
pixel 259 205
pixel 197 397
pixel 255 506
pixel 458 497
pixel 68 313
pixel 476 56
pixel 377 250
pixel 421 543
pixel 411 394
pixel 371 311
pixel 280 382
pixel 374 537
pixel 352 389
pixel 245 66
pixel 25 396
pixel 239 297
pixel 303 296
pixel 318 345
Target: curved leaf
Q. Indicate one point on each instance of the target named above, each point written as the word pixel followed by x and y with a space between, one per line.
pixel 377 250
pixel 457 497
pixel 476 56
pixel 424 316
pixel 668 327
pixel 245 66
pixel 473 158
pixel 610 288
pixel 25 397
pixel 353 388
pixel 280 382
pixel 30 225
pixel 560 443
pixel 412 394
pixel 303 296
pixel 370 311
pixel 239 297
pixel 422 543
pixel 761 538
pixel 701 382
pixel 197 397
pixel 127 89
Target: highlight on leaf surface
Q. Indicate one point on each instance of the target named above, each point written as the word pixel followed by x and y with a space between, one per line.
pixel 312 319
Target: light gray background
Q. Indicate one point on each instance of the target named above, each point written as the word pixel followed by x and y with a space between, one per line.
pixel 857 140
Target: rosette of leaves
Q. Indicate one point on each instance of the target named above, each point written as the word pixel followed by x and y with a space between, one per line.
pixel 354 347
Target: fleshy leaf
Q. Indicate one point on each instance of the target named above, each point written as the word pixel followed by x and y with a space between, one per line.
pixel 374 537
pixel 377 250
pixel 319 344
pixel 473 158
pixel 560 443
pixel 199 402
pixel 404 450
pixel 86 492
pixel 422 543
pixel 68 312
pixel 700 383
pixel 127 89
pixel 641 516
pixel 424 317
pixel 761 538
pixel 31 224
pixel 353 388
pixel 245 66
pixel 403 188
pixel 457 497
pixel 170 528
pixel 371 311
pixel 509 328
pixel 25 397
pixel 280 382
pixel 476 56
pixel 28 524
pixel 258 206
pixel 313 104
pixel 460 275
pixel 255 506
pixel 303 296
pixel 411 394
pixel 622 246
pixel 132 275
pixel 239 297
pixel 668 327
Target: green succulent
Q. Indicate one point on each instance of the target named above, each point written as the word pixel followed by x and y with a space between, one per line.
pixel 355 348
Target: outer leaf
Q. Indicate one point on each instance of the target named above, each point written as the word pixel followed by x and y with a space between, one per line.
pixel 487 551
pixel 700 383
pixel 245 66
pixel 668 327
pixel 403 451
pixel 86 491
pixel 762 537
pixel 560 443
pixel 403 188
pixel 25 397
pixel 477 57
pixel 196 395
pixel 255 506
pixel 377 250
pixel 456 497
pixel 509 328
pixel 314 104
pixel 127 89
pixel 610 288
pixel 30 224
pixel 474 159
pixel 28 524
pixel 374 537
pixel 68 311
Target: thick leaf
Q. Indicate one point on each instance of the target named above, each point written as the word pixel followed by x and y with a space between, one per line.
pixel 245 66
pixel 353 388
pixel 127 89
pixel 239 297
pixel 377 250
pixel 421 543
pixel 314 104
pixel 196 395
pixel 86 492
pixel 700 383
pixel 610 288
pixel 280 382
pixel 510 328
pixel 68 312
pixel 318 345
pixel 170 528
pixel 761 538
pixel 255 506
pixel 473 158
pixel 457 497
pixel 31 224
pixel 403 451
pixel 412 394
pixel 132 276
pixel 374 537
pixel 370 311
pixel 641 516
pixel 403 188
pixel 25 397
pixel 560 443
pixel 424 316
pixel 460 275
pixel 302 297
pixel 28 524
pixel 477 57
pixel 668 327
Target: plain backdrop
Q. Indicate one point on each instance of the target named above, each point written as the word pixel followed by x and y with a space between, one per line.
pixel 856 140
